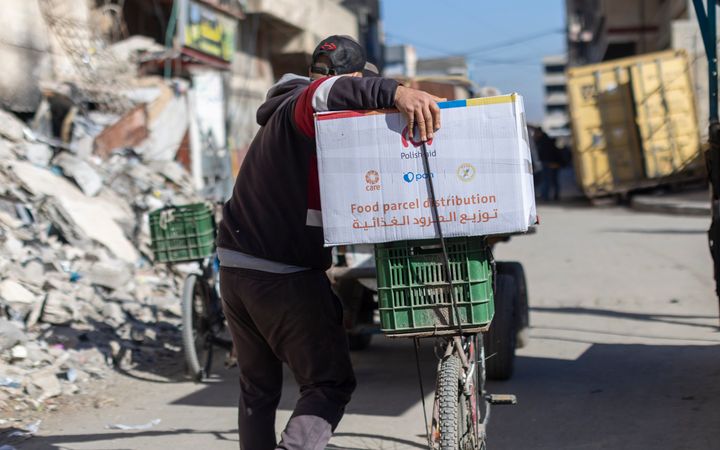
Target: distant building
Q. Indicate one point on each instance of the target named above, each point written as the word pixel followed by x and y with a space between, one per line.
pixel 369 27
pixel 556 120
pixel 452 65
pixel 400 61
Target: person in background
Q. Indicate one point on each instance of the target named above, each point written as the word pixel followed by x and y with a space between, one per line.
pixel 552 161
pixel 276 296
pixel 534 157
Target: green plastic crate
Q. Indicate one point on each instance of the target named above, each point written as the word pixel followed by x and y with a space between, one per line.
pixel 182 233
pixel 413 292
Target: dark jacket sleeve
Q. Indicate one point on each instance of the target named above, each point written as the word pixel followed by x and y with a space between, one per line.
pixel 339 93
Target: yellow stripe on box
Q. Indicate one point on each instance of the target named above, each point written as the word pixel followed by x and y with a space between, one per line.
pixel 492 100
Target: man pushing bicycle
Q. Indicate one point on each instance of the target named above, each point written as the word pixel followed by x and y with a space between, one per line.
pixel 276 296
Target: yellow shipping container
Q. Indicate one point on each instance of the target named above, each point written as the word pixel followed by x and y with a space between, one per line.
pixel 634 122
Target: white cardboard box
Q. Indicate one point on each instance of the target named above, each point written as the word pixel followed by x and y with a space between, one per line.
pixel 373 187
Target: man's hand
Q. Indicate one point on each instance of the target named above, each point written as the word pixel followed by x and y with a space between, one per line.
pixel 419 108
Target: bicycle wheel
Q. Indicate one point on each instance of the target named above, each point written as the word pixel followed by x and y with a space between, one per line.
pixel 196 328
pixel 458 426
pixel 448 398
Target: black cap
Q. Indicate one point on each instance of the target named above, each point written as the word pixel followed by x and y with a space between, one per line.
pixel 346 55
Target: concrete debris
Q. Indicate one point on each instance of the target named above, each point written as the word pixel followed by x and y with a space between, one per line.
pixel 14 292
pixel 59 309
pixel 84 175
pixel 43 385
pixel 36 152
pixel 11 128
pixel 109 274
pixel 10 335
pixel 18 352
pixel 78 294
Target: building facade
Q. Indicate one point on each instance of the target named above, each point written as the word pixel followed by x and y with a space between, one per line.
pixel 400 61
pixel 556 122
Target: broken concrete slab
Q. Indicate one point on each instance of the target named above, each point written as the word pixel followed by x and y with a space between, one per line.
pixel 31 272
pixel 10 335
pixel 109 274
pixel 114 315
pixel 13 292
pixel 44 384
pixel 18 352
pixel 167 129
pixel 59 309
pixel 6 150
pixel 128 49
pixel 81 218
pixel 84 175
pixel 35 152
pixel 11 127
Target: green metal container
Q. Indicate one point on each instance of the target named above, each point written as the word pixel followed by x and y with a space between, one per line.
pixel 414 294
pixel 182 233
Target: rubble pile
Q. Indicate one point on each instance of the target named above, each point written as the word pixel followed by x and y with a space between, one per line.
pixel 78 292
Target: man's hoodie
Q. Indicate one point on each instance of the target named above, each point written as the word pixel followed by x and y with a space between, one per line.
pixel 274 212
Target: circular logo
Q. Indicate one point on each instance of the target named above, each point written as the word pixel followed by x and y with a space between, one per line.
pixel 466 172
pixel 409 177
pixel 372 177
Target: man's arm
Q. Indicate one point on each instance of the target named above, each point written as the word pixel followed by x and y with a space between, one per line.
pixel 345 92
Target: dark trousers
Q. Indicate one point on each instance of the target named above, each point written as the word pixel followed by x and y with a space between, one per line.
pixel 550 181
pixel 294 319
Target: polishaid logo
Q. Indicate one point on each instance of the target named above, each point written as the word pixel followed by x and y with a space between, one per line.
pixel 409 177
pixel 407 139
pixel 412 153
pixel 466 172
pixel 372 180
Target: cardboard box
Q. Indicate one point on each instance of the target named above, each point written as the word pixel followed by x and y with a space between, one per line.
pixel 373 187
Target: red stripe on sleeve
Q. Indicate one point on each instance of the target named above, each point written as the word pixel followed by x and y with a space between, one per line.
pixel 303 113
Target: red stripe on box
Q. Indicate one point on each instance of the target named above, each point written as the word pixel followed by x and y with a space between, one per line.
pixel 347 114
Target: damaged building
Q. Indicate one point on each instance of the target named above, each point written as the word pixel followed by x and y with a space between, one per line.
pixel 110 109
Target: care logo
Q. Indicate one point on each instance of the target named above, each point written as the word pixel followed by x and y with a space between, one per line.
pixel 466 172
pixel 372 180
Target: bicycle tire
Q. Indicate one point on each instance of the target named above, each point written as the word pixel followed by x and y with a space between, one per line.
pixel 449 402
pixel 195 328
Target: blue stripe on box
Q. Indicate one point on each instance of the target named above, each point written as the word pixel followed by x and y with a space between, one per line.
pixel 453 104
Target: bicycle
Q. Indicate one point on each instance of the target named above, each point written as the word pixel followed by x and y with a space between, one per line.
pixel 203 320
pixel 186 234
pixel 422 293
pixel 458 421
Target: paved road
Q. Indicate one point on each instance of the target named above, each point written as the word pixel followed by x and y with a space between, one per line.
pixel 625 353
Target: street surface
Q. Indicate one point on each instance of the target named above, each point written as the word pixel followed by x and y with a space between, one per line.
pixel 625 354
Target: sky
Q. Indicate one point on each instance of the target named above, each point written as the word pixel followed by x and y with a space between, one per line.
pixel 530 29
